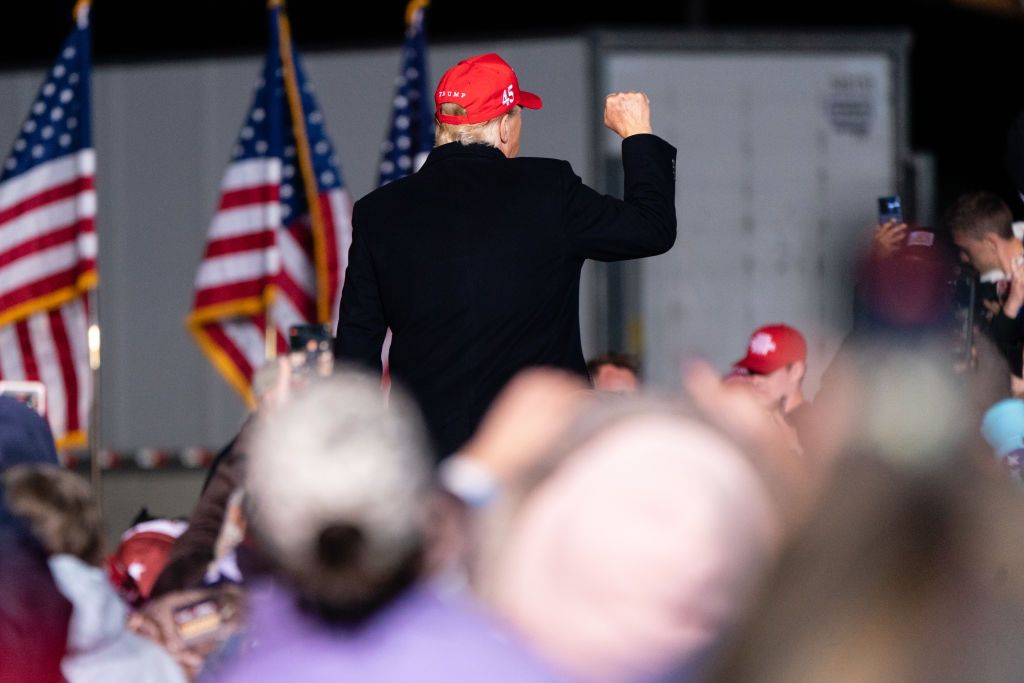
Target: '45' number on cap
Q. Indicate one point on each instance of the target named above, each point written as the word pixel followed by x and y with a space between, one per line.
pixel 507 96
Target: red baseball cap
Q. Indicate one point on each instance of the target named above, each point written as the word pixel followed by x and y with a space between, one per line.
pixel 772 347
pixel 485 86
pixel 143 553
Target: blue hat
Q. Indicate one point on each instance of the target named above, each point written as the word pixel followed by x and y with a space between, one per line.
pixel 25 437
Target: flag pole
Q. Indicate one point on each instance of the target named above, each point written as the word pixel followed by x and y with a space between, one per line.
pixel 95 472
pixel 80 15
pixel 316 219
pixel 269 334
pixel 269 328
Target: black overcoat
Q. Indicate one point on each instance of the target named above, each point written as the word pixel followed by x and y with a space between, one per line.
pixel 474 263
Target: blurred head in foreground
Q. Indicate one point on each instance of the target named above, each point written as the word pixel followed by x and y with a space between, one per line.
pixel 632 547
pixel 910 568
pixel 1003 429
pixel 339 494
pixel 903 575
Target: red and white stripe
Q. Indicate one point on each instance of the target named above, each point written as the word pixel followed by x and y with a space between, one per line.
pixel 337 212
pixel 47 243
pixel 47 228
pixel 250 249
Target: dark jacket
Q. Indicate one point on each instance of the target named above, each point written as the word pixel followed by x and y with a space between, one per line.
pixel 34 615
pixel 474 263
pixel 194 549
pixel 1008 336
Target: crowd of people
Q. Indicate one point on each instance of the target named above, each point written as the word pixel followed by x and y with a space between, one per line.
pixel 507 512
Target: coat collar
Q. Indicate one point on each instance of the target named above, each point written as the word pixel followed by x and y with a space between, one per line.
pixel 454 150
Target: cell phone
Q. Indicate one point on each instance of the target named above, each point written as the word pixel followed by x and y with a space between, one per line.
pixel 890 209
pixel 199 620
pixel 310 349
pixel 32 394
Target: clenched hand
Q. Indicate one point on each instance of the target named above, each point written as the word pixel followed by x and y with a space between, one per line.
pixel 627 113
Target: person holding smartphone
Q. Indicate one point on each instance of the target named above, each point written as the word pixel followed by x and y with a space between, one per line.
pixel 982 228
pixel 891 232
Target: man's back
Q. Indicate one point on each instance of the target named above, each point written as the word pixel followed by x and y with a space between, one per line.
pixel 474 263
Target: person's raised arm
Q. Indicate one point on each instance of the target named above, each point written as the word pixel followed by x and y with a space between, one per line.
pixel 643 223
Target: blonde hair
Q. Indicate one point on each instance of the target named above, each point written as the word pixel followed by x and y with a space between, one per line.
pixel 486 132
pixel 59 508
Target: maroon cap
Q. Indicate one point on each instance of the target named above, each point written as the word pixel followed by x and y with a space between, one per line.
pixel 143 553
pixel 772 347
pixel 485 86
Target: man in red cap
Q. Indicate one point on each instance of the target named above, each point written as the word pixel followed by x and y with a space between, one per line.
pixel 474 261
pixel 774 366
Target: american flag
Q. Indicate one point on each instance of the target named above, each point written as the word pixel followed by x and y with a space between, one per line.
pixel 279 241
pixel 411 134
pixel 48 242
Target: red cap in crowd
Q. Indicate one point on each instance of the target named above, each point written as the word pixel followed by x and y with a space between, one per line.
pixel 142 555
pixel 772 347
pixel 485 86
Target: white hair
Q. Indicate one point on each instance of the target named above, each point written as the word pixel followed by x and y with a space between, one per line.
pixel 340 456
pixel 486 132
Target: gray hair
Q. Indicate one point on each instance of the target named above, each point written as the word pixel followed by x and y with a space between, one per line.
pixel 339 482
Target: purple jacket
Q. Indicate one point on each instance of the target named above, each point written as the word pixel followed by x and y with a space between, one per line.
pixel 421 637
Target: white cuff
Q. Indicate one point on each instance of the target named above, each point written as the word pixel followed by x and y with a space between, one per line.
pixel 468 480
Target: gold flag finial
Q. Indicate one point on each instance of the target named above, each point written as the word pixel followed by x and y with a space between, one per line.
pixel 410 9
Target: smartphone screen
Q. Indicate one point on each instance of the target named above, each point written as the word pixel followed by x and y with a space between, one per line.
pixel 307 337
pixel 197 620
pixel 890 209
pixel 310 350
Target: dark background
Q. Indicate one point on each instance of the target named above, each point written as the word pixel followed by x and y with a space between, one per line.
pixel 965 61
